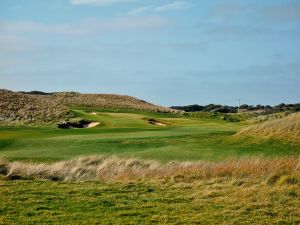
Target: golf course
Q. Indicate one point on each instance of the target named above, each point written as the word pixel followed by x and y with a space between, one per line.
pixel 171 137
pixel 141 112
pixel 71 158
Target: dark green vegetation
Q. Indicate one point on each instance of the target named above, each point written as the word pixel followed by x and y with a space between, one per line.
pixel 131 134
pixel 266 109
pixel 211 201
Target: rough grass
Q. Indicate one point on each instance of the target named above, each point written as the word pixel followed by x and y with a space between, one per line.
pixel 211 201
pixel 132 191
pixel 103 168
pixel 27 109
pixel 106 101
pixel 18 109
pixel 287 128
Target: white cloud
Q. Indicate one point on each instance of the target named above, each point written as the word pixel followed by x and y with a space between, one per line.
pixel 98 2
pixel 177 5
pixel 86 27
pixel 140 10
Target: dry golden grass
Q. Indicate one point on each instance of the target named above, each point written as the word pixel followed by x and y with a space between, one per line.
pixel 38 109
pixel 287 128
pixel 102 168
pixel 106 101
pixel 22 109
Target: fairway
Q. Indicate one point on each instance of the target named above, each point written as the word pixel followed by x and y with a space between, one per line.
pixel 131 135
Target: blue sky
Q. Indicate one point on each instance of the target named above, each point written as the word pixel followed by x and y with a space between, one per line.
pixel 167 52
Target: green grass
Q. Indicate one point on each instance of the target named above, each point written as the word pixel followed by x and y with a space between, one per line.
pixel 178 198
pixel 211 201
pixel 130 135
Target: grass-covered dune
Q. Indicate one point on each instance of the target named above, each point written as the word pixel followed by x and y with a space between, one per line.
pixel 17 109
pixel 106 101
pixel 41 109
pixel 287 128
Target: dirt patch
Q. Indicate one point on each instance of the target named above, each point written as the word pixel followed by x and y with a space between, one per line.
pixel 78 124
pixel 93 113
pixel 156 122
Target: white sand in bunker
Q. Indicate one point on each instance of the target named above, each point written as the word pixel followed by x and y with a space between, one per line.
pixel 155 122
pixel 93 113
pixel 160 124
pixel 93 124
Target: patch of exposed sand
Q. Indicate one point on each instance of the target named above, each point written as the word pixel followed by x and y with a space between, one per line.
pixel 160 124
pixel 78 124
pixel 93 113
pixel 155 122
pixel 93 124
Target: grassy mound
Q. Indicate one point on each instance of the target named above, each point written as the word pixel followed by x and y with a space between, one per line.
pixel 48 109
pixel 106 101
pixel 287 128
pixel 21 109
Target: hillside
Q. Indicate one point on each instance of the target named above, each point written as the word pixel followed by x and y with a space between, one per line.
pixel 22 109
pixel 286 128
pixel 39 108
pixel 106 101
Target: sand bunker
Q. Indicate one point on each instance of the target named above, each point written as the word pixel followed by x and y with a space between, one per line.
pixel 78 124
pixel 156 122
pixel 93 124
pixel 93 113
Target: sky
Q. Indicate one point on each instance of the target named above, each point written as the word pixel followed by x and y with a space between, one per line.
pixel 168 52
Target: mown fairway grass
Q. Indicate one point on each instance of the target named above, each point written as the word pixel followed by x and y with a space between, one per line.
pixel 130 135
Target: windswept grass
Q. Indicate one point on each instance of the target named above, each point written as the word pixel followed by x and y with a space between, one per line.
pixel 287 128
pixel 18 109
pixel 133 191
pixel 106 101
pixel 102 168
pixel 38 109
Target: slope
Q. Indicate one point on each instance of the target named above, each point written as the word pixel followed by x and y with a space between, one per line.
pixel 21 109
pixel 287 128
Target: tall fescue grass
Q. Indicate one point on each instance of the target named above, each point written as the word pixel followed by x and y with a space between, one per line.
pixel 287 128
pixel 104 168
pixel 48 110
pixel 18 109
pixel 106 101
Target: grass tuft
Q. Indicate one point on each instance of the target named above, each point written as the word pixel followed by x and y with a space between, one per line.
pixel 104 168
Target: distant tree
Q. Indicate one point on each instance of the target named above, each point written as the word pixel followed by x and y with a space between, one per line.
pixel 268 107
pixel 211 107
pixel 244 106
pixel 259 107
pixel 225 109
